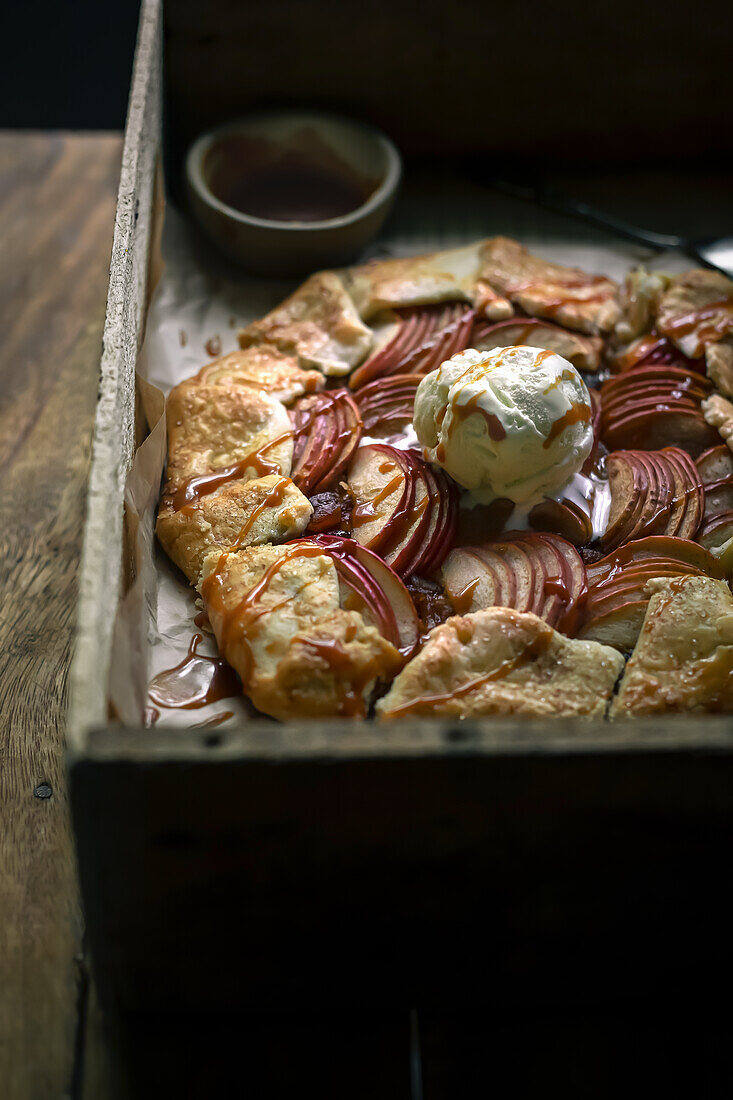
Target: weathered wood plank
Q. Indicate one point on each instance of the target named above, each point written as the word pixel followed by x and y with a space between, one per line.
pixel 57 199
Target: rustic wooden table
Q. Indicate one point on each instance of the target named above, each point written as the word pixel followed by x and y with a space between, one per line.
pixel 57 204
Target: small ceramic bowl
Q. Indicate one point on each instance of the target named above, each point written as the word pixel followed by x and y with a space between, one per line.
pixel 286 193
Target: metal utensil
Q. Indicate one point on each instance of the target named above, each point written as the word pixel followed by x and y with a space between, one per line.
pixel 712 252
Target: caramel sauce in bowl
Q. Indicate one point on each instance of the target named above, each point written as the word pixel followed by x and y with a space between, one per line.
pixel 284 193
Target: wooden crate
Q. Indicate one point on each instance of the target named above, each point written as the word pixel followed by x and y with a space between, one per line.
pixel 421 863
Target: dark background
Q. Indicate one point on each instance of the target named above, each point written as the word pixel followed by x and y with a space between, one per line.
pixel 66 63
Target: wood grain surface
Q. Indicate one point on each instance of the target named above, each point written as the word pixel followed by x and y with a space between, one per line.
pixel 57 202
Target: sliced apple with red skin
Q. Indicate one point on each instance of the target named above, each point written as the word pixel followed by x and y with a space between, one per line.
pixel 532 572
pixel 691 490
pixel 715 464
pixel 387 404
pixel 414 326
pixel 610 572
pixel 326 428
pixel 470 583
pixel 444 538
pixel 439 537
pixel 605 599
pixel 404 511
pixel 677 377
pixel 647 401
pixel 401 548
pixel 564 518
pixel 505 574
pixel 718 497
pixel 716 531
pixel 395 604
pixel 654 547
pixel 524 565
pixel 315 434
pixel 453 336
pixel 427 335
pixel 652 492
pixel 629 485
pixel 661 428
pixel 564 582
pixel 615 605
pixel 653 349
pixel 619 628
pixel 383 494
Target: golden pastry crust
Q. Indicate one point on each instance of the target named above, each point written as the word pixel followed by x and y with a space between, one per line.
pixel 719 365
pixel 503 662
pixel 319 323
pixel 696 310
pixel 276 615
pixel 567 295
pixel 239 513
pixel 718 413
pixel 448 276
pixel 212 428
pixel 683 660
pixel 330 670
pixel 640 296
pixel 265 368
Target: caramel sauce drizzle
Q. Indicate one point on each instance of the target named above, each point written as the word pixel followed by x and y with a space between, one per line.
pixel 213 677
pixel 328 404
pixel 462 600
pixel 192 490
pixel 242 620
pixel 535 649
pixel 719 314
pixel 578 413
pixel 271 499
pixel 366 511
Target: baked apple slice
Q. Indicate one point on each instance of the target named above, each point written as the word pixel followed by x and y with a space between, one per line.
pixel 383 493
pixel 526 571
pixel 716 535
pixel 665 425
pixel 378 588
pixel 401 548
pixel 387 405
pixel 655 349
pixel 563 517
pixel 426 336
pixel 439 536
pixel 689 488
pixel 471 583
pixel 715 464
pixel 718 497
pixel 327 427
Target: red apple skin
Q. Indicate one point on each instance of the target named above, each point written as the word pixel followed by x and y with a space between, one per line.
pixel 395 596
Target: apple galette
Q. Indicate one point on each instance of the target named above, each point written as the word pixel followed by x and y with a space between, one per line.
pixel 467 483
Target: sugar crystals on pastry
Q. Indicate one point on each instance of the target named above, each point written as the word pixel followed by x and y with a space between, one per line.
pixel 235 515
pixel 276 613
pixel 683 660
pixel 567 295
pixel 318 322
pixel 503 662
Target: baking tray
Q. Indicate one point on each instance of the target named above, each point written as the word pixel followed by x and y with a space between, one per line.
pixel 417 863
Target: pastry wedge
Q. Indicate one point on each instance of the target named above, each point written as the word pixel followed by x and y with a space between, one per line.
pixel 504 663
pixel 683 660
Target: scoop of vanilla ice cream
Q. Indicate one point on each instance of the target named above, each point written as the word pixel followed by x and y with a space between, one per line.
pixel 511 422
